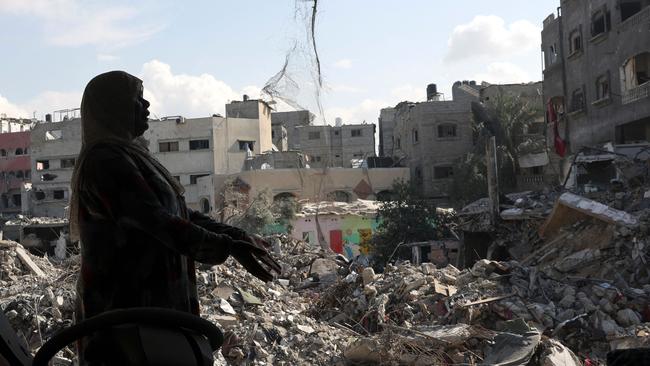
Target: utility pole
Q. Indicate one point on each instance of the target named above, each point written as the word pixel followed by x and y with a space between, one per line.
pixel 492 178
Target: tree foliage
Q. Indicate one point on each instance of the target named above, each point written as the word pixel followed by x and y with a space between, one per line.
pixel 507 117
pixel 406 218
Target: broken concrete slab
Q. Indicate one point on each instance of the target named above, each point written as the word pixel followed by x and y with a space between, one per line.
pixel 513 349
pixel 571 208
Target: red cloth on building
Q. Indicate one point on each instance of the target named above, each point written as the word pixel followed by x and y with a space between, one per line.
pixel 560 144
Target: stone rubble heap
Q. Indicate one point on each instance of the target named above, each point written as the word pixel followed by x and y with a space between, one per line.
pixel 577 295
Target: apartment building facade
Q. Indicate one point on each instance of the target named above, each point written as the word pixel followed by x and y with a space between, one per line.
pixel 54 149
pixel 15 171
pixel 597 72
pixel 343 146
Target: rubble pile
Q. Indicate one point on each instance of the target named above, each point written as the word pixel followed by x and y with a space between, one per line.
pixel 579 286
pixel 269 323
pixel 36 296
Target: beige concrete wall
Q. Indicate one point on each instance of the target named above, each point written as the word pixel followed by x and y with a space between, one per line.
pixel 312 184
pixel 53 150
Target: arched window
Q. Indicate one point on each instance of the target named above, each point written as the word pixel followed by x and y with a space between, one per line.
pixel 284 196
pixel 386 195
pixel 205 205
pixel 339 196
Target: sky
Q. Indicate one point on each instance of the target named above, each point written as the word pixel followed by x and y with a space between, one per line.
pixel 196 56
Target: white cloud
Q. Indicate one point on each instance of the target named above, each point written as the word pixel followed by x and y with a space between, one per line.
pixel 74 23
pixel 344 63
pixel 9 109
pixel 188 95
pixel 503 73
pixel 344 88
pixel 489 36
pixel 44 103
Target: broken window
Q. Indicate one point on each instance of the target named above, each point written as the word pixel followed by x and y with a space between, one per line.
pixel 3 152
pixel 635 71
pixel 418 175
pixel 316 158
pixel 194 178
pixel 48 177
pixel 272 135
pixel 575 41
pixel 200 144
pixel 577 100
pixel 306 235
pixel 446 131
pixel 552 55
pixel 443 172
pixel 398 143
pixel 19 151
pixel 205 205
pixel 53 135
pixel 247 145
pixel 168 146
pixel 416 138
pixel 314 135
pixel 28 174
pixel 336 133
pixel 58 194
pixel 602 87
pixel 15 199
pixel 67 163
pixel 600 22
pixel 629 8
pixel 177 177
pixel 42 164
pixel 19 174
pixel 356 132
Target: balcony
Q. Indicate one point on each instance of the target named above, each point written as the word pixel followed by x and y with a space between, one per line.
pixel 640 92
pixel 641 17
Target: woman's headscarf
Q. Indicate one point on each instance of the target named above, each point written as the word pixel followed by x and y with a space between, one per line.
pixel 108 115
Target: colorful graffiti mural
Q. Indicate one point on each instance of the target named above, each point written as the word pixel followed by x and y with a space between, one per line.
pixel 349 235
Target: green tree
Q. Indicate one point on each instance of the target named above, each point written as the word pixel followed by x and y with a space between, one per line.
pixel 508 117
pixel 405 218
pixel 284 211
pixel 255 217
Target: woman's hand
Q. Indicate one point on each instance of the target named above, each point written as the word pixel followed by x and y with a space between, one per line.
pixel 251 253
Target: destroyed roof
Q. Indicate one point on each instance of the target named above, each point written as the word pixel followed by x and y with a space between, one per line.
pixel 26 221
pixel 358 207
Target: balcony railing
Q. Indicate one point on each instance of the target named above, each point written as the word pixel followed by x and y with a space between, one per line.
pixel 641 17
pixel 634 94
pixel 534 182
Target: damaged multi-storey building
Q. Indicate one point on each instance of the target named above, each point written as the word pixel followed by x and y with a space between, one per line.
pixel 284 128
pixel 341 145
pixel 195 148
pixel 597 75
pixel 15 169
pixel 55 144
pixel 428 137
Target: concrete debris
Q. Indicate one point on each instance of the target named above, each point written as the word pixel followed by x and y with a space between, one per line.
pixel 567 298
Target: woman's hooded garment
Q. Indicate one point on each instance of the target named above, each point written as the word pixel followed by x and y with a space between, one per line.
pixel 138 239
